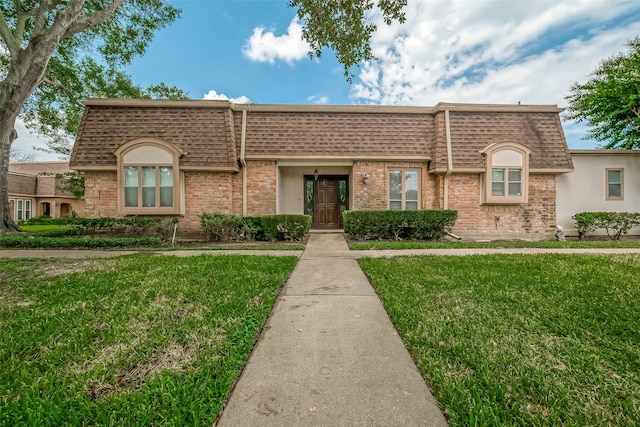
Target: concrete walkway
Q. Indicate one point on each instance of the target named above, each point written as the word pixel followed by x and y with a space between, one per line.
pixel 329 354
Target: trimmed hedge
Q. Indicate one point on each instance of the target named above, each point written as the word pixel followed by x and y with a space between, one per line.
pixel 224 228
pixel 31 242
pixel 414 225
pixel 285 227
pixel 616 223
pixel 136 226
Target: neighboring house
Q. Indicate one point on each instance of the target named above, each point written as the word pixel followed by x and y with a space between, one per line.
pixel 495 164
pixel 603 181
pixel 34 190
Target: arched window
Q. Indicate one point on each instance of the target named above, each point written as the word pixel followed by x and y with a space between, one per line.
pixel 148 177
pixel 507 176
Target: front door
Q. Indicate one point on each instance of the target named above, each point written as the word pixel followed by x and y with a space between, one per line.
pixel 326 199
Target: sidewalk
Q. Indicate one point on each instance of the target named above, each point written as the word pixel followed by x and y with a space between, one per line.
pixel 329 354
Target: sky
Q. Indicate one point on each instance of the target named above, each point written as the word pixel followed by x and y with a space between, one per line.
pixel 472 51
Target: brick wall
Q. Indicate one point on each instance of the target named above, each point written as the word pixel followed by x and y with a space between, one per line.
pixel 262 179
pixel 534 220
pixel 208 192
pixel 374 195
pixel 101 199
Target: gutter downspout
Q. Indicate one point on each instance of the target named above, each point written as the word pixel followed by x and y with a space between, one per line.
pixel 447 127
pixel 243 141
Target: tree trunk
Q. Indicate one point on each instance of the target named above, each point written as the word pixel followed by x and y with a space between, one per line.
pixel 7 136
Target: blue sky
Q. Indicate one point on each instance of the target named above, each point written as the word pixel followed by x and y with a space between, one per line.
pixel 482 51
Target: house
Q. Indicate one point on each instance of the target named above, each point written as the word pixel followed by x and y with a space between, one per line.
pixel 495 164
pixel 37 189
pixel 603 181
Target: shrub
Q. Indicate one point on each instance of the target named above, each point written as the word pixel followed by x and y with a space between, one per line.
pixel 26 241
pixel 421 225
pixel 615 223
pixel 252 228
pixel 285 227
pixel 585 223
pixel 220 227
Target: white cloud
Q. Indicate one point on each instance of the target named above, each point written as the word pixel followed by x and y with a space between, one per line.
pixel 493 51
pixel 265 46
pixel 212 94
pixel 26 142
pixel 318 99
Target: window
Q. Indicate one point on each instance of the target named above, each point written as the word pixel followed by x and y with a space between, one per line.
pixel 23 209
pixel 507 176
pixel 148 177
pixel 506 181
pixel 615 185
pixel 403 190
pixel 148 186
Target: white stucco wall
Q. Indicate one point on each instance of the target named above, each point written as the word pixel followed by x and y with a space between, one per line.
pixel 291 184
pixel 584 189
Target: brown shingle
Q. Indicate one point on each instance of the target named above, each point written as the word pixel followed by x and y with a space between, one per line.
pixel 302 134
pixel 201 133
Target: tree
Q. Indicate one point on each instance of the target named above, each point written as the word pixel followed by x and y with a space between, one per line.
pixel 609 102
pixel 345 26
pixel 56 53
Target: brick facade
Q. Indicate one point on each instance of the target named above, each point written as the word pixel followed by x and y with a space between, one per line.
pixel 234 150
pixel 262 182
pixel 534 220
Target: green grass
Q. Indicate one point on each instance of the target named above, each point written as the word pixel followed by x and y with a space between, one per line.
pixel 381 245
pixel 135 340
pixel 261 246
pixel 539 340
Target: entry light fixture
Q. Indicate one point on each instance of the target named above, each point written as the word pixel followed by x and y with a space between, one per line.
pixel 365 178
pixel 315 174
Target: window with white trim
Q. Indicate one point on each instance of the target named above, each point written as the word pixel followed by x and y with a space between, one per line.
pixel 615 184
pixel 22 209
pixel 404 189
pixel 507 176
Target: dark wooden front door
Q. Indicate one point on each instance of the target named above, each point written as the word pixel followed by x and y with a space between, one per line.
pixel 326 209
pixel 326 198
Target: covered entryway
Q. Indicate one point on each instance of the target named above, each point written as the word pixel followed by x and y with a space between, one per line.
pixel 325 199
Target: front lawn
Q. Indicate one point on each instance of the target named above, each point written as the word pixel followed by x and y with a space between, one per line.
pixel 136 340
pixel 518 339
pixel 383 245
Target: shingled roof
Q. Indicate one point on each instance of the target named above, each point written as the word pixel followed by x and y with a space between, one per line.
pixel 209 132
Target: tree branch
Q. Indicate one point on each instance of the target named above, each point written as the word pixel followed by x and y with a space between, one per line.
pixel 87 21
pixel 23 17
pixel 9 39
pixel 39 22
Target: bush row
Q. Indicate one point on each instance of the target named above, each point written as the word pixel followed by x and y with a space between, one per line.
pixel 136 226
pixel 30 242
pixel 417 225
pixel 616 223
pixel 224 228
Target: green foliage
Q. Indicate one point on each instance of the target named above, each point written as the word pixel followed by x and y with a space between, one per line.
pixel 421 225
pixel 72 182
pixel 226 228
pixel 497 244
pixel 89 60
pixel 160 227
pixel 343 25
pixel 616 223
pixel 609 102
pixel 129 341
pixel 585 223
pixel 220 227
pixel 22 241
pixel 286 227
pixel 520 340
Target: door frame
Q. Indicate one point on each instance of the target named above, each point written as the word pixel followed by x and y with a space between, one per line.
pixel 337 178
